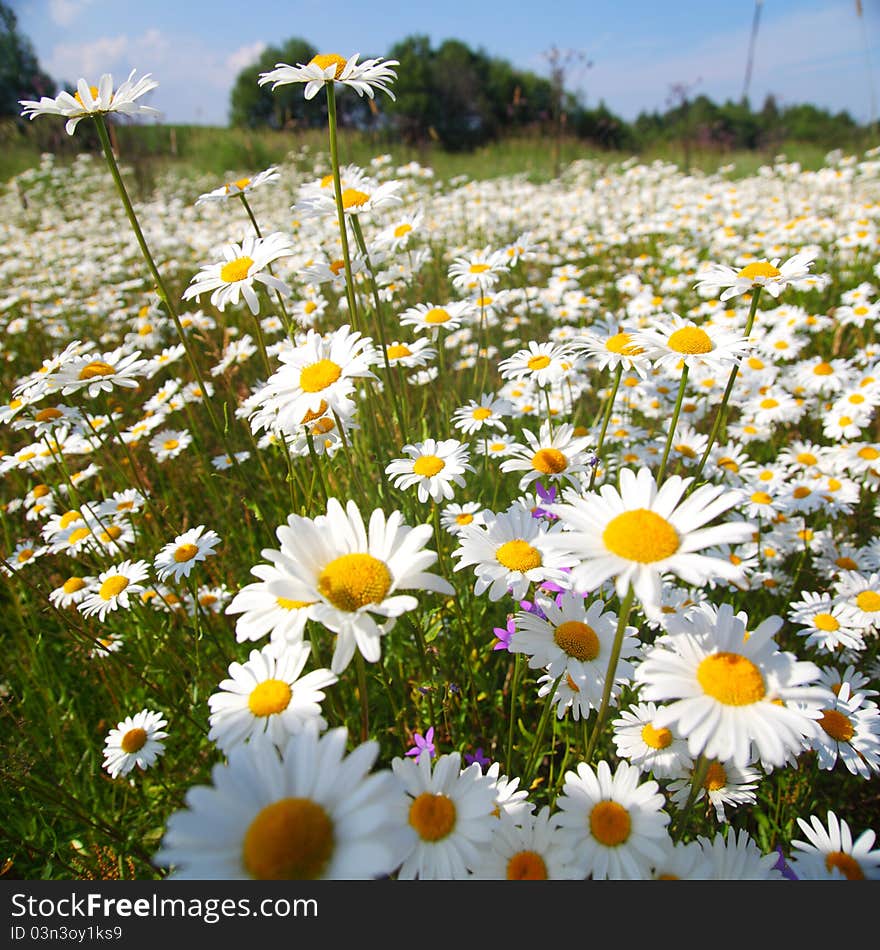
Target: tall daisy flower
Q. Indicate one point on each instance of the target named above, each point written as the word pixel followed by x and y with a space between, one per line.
pixel 638 533
pixel 554 454
pixel 832 853
pixel 617 822
pixel 114 588
pixel 364 78
pixel 733 696
pixel 233 277
pixel 678 342
pixel 768 275
pixel 268 696
pixel 355 573
pixel 94 100
pixel 277 605
pixel 136 741
pixel 178 558
pixel 849 733
pixel 311 812
pixel 433 467
pixel 450 809
pixel 532 847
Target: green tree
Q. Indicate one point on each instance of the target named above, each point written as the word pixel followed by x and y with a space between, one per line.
pixel 21 76
pixel 252 105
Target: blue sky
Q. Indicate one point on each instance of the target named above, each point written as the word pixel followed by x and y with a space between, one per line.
pixel 817 51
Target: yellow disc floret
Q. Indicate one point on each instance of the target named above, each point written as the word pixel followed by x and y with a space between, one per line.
pixel 641 535
pixel 269 697
pixel 732 679
pixel 354 581
pixel 289 840
pixel 577 640
pixel 518 555
pixel 432 816
pixel 690 340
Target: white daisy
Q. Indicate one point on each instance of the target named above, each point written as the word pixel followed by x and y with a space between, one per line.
pixel 178 558
pixel 556 454
pixel 654 749
pixel 136 741
pixel 831 854
pixel 433 467
pixel 364 78
pixel 113 588
pixel 767 275
pixel 734 856
pixel 530 848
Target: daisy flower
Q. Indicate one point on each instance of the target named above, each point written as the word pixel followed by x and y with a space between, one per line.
pixel 556 454
pixel 734 856
pixel 241 186
pixel 508 553
pixel 477 415
pixel 242 264
pixel 824 623
pixel 682 342
pixel 724 785
pixel 433 317
pixel 71 592
pixel 113 588
pixel 861 592
pixel 540 363
pixel 410 355
pixel 617 823
pixel 178 558
pixel 311 812
pixel 99 372
pixel 683 861
pixel 362 199
pixel 730 692
pixel 609 345
pixel 510 799
pixel 94 100
pixel 575 639
pixel 480 269
pixel 638 533
pixel 318 376
pixel 364 78
pixel 831 854
pixel 654 749
pixel 136 741
pixel 530 848
pixel 433 467
pixel 169 443
pixel 450 810
pixel 850 733
pixel 767 275
pixel 356 574
pixel 455 516
pixel 268 697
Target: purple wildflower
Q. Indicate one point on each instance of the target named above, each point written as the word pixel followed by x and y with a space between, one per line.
pixel 503 634
pixel 477 757
pixel 548 497
pixel 423 743
pixel 782 865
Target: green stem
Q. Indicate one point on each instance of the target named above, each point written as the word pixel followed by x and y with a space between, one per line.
pixel 362 695
pixel 673 423
pixel 698 777
pixel 728 389
pixel 340 211
pixel 528 771
pixel 622 620
pixel 605 420
pixel 514 687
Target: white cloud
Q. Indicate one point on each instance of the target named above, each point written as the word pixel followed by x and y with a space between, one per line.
pixel 64 12
pixel 70 61
pixel 236 61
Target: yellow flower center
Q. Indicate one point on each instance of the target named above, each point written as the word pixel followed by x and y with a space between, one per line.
pixel 113 586
pixel 336 266
pixel 549 461
pixel 656 738
pixel 868 600
pixel 323 60
pixel 402 229
pixel 761 498
pixel 479 268
pixel 432 816
pixel 826 622
pixel 641 535
pixel 289 840
pixel 837 725
pixel 269 697
pixel 729 464
pixel 170 445
pixel 318 376
pixel 846 564
pixel 47 415
pixel 518 555
pixel 577 640
pixel 353 581
pixel 622 343
pixel 96 368
pixel 806 458
pixel 285 603
pixel 112 532
pixel 823 369
pixel 769 403
pixel 73 584
pixel 428 465
pixel 25 555
pixel 352 198
pixel 716 777
pixel 846 864
pixel 731 678
pixel 801 492
pixel 437 315
pixel 526 866
pixel 481 413
pixel 758 269
pixel 92 89
pixel 869 453
pixel 240 183
pixel 398 351
pixel 185 552
pixel 78 535
pixel 235 270
pixel 610 823
pixel 690 340
pixel 134 740
pixel 538 362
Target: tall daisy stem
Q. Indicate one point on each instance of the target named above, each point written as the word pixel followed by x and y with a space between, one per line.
pixel 606 419
pixel 362 695
pixel 340 210
pixel 529 770
pixel 673 423
pixel 622 620
pixel 728 389
pixel 698 777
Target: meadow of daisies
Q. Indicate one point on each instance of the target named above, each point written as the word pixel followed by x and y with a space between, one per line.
pixel 358 524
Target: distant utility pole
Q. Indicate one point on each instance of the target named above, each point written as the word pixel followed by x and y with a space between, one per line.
pixel 751 58
pixel 560 62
